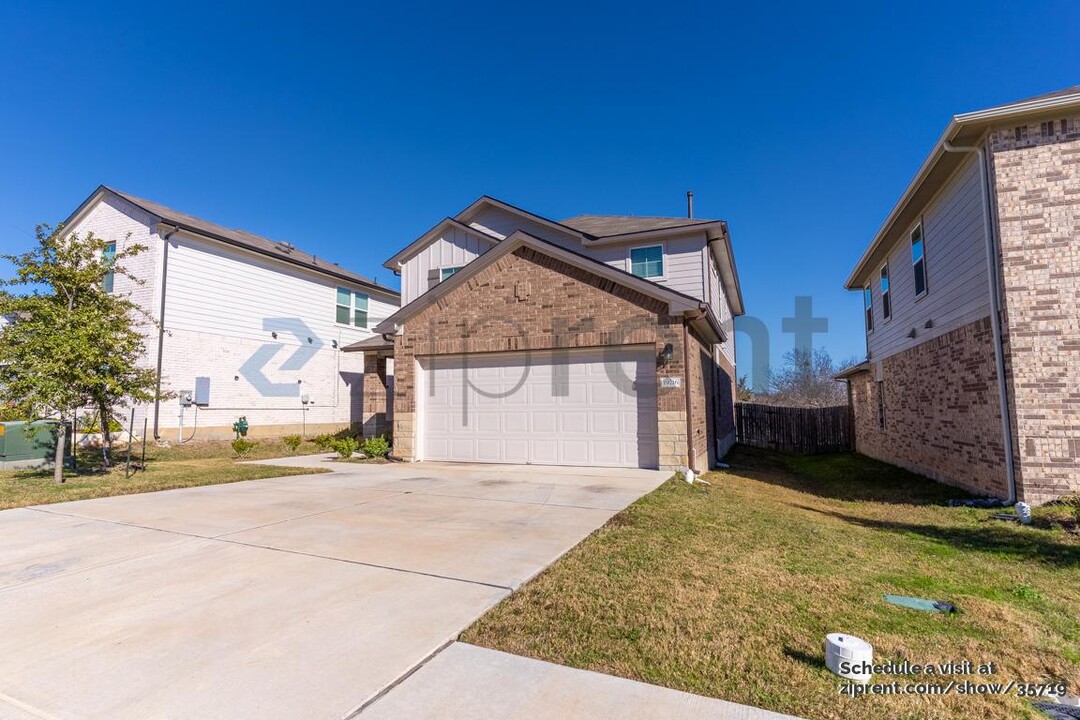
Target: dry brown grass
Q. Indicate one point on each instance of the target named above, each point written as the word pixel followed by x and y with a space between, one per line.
pixel 728 591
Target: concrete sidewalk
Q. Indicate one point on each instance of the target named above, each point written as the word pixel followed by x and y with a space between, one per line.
pixel 466 682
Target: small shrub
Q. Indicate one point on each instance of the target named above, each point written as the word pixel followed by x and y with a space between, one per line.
pixel 375 447
pixel 324 441
pixel 242 446
pixel 345 447
pixel 292 443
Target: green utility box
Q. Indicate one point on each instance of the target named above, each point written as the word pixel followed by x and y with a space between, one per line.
pixel 30 445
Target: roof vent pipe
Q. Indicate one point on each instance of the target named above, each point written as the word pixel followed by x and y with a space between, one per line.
pixel 690 204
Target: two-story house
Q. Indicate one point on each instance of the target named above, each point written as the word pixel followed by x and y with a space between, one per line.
pixel 596 340
pixel 239 325
pixel 971 294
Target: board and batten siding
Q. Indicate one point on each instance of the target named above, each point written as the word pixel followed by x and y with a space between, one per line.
pixel 954 248
pixel 454 248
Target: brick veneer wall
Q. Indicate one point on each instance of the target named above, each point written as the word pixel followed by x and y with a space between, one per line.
pixel 374 414
pixel 942 415
pixel 1037 196
pixel 531 301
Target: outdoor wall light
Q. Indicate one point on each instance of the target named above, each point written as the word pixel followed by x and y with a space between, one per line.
pixel 667 355
pixel 273 335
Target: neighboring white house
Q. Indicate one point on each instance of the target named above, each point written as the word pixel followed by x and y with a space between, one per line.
pixel 251 327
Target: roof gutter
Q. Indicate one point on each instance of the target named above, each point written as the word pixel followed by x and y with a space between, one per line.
pixel 995 307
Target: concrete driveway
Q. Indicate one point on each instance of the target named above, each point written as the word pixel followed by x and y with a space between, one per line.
pixel 299 597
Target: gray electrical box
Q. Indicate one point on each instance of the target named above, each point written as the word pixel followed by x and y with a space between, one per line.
pixel 186 398
pixel 202 391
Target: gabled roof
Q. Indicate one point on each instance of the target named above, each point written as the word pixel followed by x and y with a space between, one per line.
pixel 677 302
pixel 239 238
pixel 607 225
pixel 487 201
pixel 442 226
pixel 966 129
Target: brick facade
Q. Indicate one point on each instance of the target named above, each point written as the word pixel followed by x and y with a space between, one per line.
pixel 942 415
pixel 527 300
pixel 374 418
pixel 1036 171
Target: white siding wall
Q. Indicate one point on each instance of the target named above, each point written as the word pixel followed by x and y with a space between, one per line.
pixel 453 249
pixel 682 258
pixel 222 304
pixel 955 267
pixel 718 300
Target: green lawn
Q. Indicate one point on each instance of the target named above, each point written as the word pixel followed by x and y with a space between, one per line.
pixel 728 590
pixel 209 463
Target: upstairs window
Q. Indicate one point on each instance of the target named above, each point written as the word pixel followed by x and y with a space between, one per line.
pixel 868 304
pixel 352 308
pixel 918 260
pixel 886 301
pixel 446 272
pixel 647 262
pixel 109 256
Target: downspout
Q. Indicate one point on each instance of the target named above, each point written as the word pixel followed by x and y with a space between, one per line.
pixel 689 403
pixel 995 310
pixel 161 330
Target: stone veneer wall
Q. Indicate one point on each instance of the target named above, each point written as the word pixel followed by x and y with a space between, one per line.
pixel 1037 196
pixel 942 415
pixel 530 301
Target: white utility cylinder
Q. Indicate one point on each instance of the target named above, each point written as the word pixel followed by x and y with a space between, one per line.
pixel 848 648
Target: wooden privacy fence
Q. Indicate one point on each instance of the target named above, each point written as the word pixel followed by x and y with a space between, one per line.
pixel 794 429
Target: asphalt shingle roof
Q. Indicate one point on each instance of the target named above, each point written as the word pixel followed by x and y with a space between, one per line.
pixel 250 241
pixel 606 225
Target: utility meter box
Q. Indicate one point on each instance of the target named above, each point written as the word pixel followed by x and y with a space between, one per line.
pixel 186 398
pixel 202 391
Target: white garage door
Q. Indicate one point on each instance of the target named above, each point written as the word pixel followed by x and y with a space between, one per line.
pixel 569 408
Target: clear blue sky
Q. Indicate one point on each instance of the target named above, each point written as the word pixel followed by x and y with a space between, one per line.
pixel 350 131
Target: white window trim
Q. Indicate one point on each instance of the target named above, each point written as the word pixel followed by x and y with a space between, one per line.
pixel 881 291
pixel 926 266
pixel 352 308
pixel 457 268
pixel 663 260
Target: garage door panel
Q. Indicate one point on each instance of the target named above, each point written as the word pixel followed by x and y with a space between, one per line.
pixel 568 408
pixel 515 421
pixel 606 422
pixel 545 421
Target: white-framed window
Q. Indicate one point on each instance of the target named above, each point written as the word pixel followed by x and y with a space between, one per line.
pixel 446 272
pixel 352 308
pixel 109 256
pixel 868 305
pixel 886 298
pixel 647 261
pixel 918 261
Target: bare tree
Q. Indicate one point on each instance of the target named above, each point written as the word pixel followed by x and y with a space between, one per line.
pixel 806 380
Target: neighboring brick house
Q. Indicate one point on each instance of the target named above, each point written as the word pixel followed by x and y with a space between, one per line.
pixel 258 323
pixel 972 308
pixel 597 340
